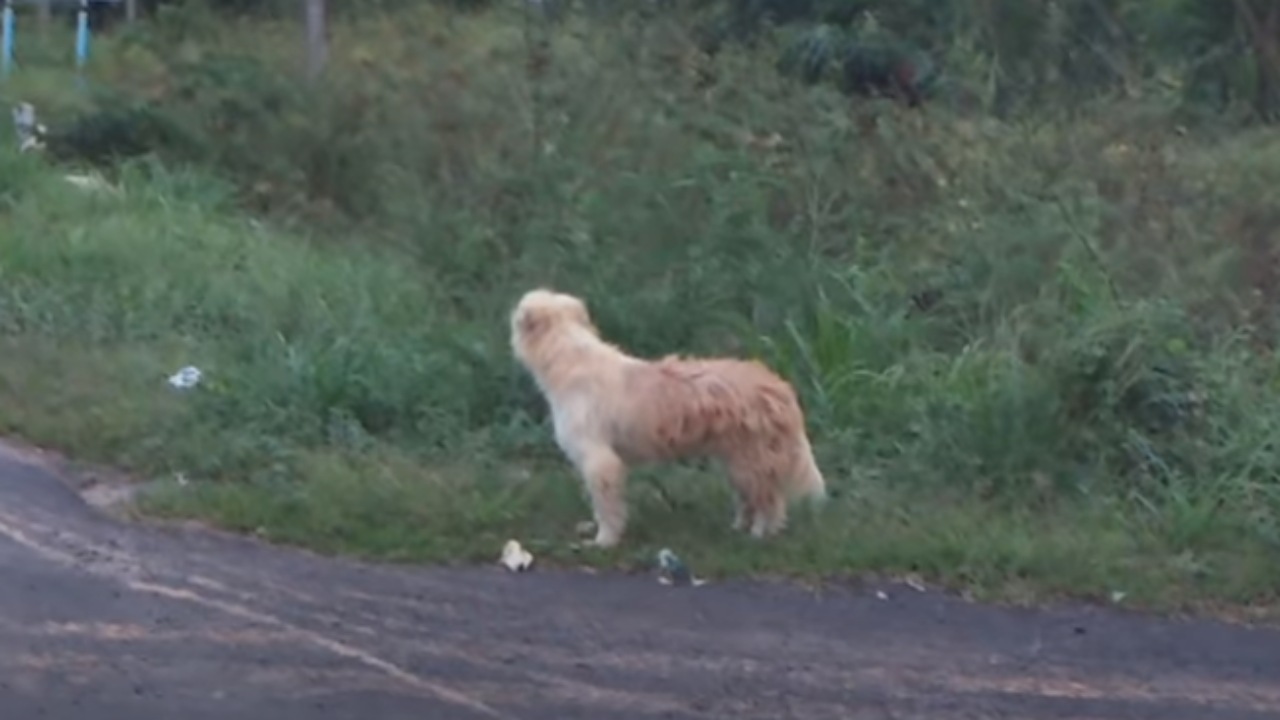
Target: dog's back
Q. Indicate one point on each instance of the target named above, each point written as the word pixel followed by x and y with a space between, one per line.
pixel 696 406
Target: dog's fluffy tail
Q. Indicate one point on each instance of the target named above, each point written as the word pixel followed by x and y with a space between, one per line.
pixel 808 479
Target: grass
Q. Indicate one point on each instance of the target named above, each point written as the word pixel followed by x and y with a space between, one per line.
pixel 1032 351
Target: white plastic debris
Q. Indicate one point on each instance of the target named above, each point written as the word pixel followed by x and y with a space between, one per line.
pixel 882 595
pixel 90 183
pixel 515 558
pixel 674 571
pixel 30 132
pixel 186 378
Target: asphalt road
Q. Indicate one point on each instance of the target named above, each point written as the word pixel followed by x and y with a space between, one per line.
pixel 100 619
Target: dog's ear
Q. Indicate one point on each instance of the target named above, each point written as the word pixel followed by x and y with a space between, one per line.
pixel 531 323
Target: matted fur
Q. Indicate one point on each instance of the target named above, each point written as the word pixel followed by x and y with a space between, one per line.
pixel 612 410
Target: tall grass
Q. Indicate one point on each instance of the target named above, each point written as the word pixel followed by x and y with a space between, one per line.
pixel 1031 351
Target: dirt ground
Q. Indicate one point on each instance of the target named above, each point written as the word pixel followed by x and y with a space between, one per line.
pixel 100 618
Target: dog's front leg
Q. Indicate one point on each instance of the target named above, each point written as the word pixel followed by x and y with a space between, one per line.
pixel 740 514
pixel 605 476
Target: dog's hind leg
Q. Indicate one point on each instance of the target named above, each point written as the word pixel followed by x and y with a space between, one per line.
pixel 744 510
pixel 753 497
pixel 605 476
pixel 772 515
pixel 760 501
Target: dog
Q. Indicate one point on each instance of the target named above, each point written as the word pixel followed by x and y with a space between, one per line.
pixel 612 411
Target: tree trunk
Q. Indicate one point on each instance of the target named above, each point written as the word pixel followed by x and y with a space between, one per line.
pixel 317 37
pixel 1262 27
pixel 1269 66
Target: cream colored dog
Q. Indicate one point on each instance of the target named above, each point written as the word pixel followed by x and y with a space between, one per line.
pixel 612 410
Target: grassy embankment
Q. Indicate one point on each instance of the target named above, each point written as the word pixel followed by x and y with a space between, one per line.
pixel 1033 351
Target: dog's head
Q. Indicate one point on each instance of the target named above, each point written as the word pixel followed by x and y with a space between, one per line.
pixel 542 311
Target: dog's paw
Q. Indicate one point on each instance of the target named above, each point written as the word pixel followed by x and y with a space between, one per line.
pixel 603 541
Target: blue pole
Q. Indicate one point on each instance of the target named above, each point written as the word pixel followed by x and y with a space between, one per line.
pixel 6 50
pixel 82 35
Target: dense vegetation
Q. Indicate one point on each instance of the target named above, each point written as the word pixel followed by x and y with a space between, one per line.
pixel 1031 319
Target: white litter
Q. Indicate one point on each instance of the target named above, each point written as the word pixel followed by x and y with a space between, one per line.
pixel 674 571
pixel 516 558
pixel 186 378
pixel 30 132
pixel 90 183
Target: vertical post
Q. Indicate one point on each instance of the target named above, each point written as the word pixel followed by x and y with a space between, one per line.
pixel 82 36
pixel 6 40
pixel 317 38
pixel 131 11
pixel 44 13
